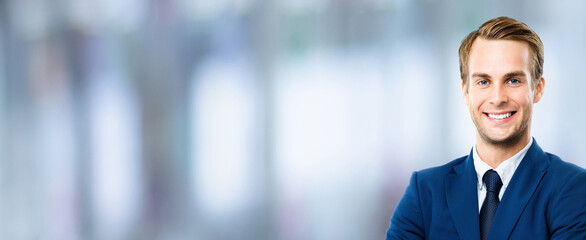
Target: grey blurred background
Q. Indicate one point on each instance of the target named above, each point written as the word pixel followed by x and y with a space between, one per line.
pixel 247 119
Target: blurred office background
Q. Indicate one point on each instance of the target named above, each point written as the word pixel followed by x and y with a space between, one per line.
pixel 247 119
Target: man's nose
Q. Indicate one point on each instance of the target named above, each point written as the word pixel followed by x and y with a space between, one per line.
pixel 499 95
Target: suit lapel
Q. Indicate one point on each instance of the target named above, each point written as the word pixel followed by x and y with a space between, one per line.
pixel 520 190
pixel 462 199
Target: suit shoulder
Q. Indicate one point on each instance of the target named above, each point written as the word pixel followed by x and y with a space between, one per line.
pixel 442 170
pixel 557 165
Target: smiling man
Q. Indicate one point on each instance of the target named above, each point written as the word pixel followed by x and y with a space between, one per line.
pixel 507 187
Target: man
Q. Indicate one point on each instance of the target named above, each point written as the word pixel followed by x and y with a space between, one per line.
pixel 507 188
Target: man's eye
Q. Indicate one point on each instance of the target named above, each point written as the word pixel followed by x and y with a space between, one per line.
pixel 483 82
pixel 514 81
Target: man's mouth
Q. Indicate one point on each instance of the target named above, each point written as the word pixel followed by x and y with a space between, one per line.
pixel 500 116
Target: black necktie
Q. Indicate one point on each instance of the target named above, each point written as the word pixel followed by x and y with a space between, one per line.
pixel 493 186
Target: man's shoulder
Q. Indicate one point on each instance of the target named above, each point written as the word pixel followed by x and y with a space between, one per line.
pixel 442 170
pixel 559 166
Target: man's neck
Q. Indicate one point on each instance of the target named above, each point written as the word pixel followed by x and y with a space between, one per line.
pixel 495 154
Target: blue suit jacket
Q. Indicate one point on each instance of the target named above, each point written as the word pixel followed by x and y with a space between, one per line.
pixel 545 199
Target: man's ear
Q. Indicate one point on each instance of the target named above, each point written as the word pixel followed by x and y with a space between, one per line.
pixel 465 94
pixel 539 90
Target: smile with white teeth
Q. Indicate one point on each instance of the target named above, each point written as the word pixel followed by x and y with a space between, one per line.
pixel 500 116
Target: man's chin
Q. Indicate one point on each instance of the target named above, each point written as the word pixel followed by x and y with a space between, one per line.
pixel 504 141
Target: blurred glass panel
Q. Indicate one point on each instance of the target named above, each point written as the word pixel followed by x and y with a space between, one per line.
pixel 116 180
pixel 223 150
pixel 55 134
pixel 30 18
pixel 329 150
pixel 210 10
pixel 114 15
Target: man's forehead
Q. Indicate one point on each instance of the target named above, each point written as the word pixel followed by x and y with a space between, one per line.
pixel 499 55
pixel 481 42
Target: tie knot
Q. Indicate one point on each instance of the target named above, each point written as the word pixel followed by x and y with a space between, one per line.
pixel 492 181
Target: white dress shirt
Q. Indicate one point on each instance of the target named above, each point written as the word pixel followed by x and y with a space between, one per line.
pixel 505 170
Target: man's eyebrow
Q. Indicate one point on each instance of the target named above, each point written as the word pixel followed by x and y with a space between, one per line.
pixel 508 75
pixel 480 75
pixel 515 74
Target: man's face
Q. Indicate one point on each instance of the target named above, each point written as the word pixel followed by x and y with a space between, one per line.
pixel 499 94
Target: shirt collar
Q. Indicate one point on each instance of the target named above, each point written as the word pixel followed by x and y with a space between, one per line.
pixel 505 170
